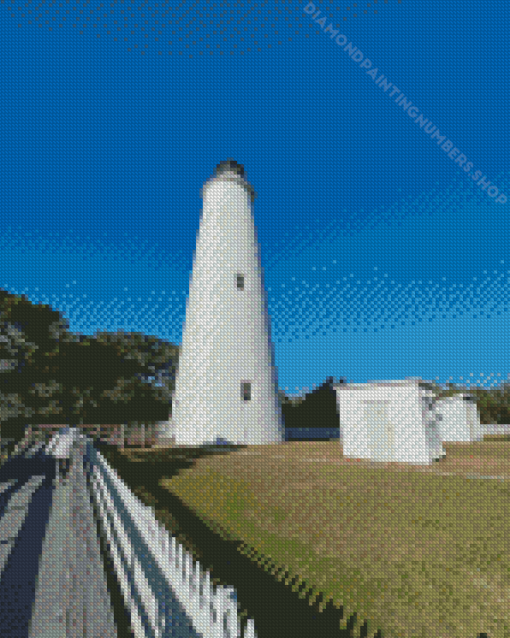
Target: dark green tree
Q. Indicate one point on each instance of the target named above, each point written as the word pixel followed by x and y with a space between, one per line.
pixel 50 375
pixel 158 357
pixel 27 332
pixel 317 409
pixel 82 372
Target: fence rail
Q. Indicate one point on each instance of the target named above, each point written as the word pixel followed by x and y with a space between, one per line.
pixel 151 587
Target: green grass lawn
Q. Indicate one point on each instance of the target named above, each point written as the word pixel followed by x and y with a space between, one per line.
pixel 417 554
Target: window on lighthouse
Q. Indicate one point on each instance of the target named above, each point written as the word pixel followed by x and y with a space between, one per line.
pixel 245 391
pixel 240 281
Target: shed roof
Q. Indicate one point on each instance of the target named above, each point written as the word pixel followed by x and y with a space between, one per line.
pixel 408 382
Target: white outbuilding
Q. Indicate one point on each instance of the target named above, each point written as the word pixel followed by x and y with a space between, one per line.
pixel 458 418
pixel 389 421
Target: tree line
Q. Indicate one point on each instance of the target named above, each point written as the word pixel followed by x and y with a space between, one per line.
pixel 318 408
pixel 50 375
pixel 493 403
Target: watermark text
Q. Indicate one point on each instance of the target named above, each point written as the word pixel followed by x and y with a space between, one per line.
pixel 382 82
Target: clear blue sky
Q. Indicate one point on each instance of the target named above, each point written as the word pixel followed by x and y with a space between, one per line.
pixel 383 258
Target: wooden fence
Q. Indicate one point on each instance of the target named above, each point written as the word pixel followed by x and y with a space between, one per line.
pixel 134 434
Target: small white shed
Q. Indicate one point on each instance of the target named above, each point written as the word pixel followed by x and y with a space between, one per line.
pixel 389 421
pixel 458 418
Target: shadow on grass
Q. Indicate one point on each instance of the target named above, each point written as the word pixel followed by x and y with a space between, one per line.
pixel 278 609
pixel 281 606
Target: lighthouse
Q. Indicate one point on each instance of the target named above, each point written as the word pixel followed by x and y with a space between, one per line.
pixel 226 385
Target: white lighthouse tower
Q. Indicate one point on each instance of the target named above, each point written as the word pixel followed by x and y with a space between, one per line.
pixel 226 385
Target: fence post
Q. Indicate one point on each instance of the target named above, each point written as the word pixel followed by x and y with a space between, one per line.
pixel 197 597
pixel 207 596
pixel 249 631
pixel 188 569
pixel 179 559
pixel 229 621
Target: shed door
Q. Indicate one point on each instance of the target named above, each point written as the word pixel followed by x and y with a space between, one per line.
pixel 380 431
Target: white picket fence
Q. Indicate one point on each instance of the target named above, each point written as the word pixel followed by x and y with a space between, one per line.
pixel 212 611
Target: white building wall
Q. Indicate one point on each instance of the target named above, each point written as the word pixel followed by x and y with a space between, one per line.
pixel 226 339
pixel 432 427
pixel 474 415
pixel 454 415
pixel 387 421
